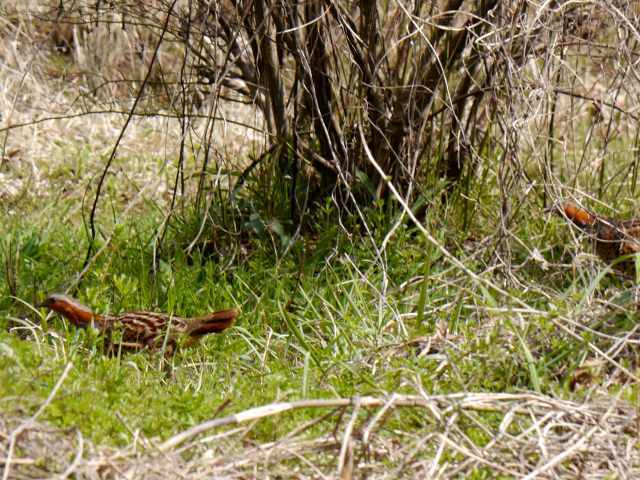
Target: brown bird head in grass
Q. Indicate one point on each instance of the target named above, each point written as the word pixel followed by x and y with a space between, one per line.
pixel 579 216
pixel 611 238
pixel 78 314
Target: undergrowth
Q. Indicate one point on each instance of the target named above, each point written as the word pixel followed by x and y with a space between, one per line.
pixel 330 315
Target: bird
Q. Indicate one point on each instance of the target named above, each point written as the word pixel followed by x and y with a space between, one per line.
pixel 611 238
pixel 140 330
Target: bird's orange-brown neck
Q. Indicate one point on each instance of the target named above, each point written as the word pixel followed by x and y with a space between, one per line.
pixel 579 216
pixel 74 311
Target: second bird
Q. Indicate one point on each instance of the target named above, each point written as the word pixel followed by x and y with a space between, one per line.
pixel 611 238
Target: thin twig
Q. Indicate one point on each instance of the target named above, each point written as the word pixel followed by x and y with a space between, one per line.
pixel 121 135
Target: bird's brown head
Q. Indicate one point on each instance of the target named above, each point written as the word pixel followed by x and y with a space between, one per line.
pixel 70 308
pixel 579 216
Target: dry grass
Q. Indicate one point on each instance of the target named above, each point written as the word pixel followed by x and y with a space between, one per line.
pixel 529 436
pixel 62 111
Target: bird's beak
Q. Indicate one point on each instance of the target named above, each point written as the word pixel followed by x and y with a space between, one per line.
pixel 42 304
pixel 553 208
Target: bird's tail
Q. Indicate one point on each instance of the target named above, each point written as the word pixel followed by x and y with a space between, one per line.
pixel 213 323
pixel 579 216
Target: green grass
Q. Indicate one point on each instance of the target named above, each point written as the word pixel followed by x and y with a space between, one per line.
pixel 321 321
